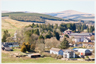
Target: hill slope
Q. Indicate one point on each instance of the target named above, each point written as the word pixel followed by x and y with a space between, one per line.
pixel 71 14
pixel 30 17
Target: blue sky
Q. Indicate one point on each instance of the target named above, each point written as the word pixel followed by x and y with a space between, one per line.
pixel 48 6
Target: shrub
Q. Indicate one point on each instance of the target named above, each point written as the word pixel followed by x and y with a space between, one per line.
pixel 42 56
pixel 53 55
pixel 59 57
pixel 46 54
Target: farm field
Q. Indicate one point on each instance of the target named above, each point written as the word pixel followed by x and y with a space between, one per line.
pixel 6 58
pixel 12 25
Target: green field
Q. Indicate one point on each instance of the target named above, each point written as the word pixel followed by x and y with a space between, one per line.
pixel 7 59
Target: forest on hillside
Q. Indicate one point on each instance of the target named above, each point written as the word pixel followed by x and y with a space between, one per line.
pixel 30 17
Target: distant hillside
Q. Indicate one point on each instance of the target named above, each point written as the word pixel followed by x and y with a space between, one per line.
pixel 75 15
pixel 30 17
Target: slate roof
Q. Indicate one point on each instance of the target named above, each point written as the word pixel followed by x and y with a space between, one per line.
pixel 55 49
pixel 80 34
pixel 67 50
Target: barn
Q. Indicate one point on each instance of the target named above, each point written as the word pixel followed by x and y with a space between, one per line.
pixel 34 55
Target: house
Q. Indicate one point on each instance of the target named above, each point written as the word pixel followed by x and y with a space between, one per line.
pixel 84 35
pixel 67 32
pixel 77 37
pixel 82 51
pixel 80 39
pixel 10 44
pixel 56 51
pixel 68 53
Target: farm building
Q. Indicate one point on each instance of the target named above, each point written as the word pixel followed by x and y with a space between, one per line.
pixel 34 55
pixel 56 51
pixel 68 53
pixel 84 52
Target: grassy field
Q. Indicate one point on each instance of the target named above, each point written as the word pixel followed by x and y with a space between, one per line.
pixel 12 25
pixel 6 58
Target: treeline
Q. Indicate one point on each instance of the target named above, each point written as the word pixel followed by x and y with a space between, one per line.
pixel 32 17
pixel 64 27
pixel 27 18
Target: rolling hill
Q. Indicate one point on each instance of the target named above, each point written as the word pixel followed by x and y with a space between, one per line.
pixel 75 15
pixel 30 17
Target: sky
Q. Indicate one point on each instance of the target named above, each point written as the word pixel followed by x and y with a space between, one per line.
pixel 48 6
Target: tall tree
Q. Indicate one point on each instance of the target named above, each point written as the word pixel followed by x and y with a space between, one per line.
pixel 91 29
pixel 82 28
pixel 88 29
pixel 5 36
pixel 64 44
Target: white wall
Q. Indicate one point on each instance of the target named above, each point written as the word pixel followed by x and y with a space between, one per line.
pixel 54 52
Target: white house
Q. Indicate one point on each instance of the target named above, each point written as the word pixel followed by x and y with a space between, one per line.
pixel 68 53
pixel 84 35
pixel 80 39
pixel 56 51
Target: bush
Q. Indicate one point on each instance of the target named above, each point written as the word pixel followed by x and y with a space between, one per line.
pixel 54 55
pixel 42 56
pixel 59 57
pixel 46 55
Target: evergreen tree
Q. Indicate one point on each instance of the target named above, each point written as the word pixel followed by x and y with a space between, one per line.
pixel 73 27
pixel 82 28
pixel 56 26
pixel 41 37
pixel 33 24
pixel 91 29
pixel 49 33
pixel 66 36
pixel 5 36
pixel 36 31
pixel 57 35
pixel 47 36
pixel 88 29
pixel 64 44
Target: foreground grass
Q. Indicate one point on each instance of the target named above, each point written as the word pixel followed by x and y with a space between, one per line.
pixel 7 59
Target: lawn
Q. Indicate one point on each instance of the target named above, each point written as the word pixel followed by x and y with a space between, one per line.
pixel 7 59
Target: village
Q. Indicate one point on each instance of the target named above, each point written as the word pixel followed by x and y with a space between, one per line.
pixel 81 48
pixel 48 31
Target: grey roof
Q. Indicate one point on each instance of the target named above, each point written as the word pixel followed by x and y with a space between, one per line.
pixel 80 34
pixel 67 50
pixel 55 49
